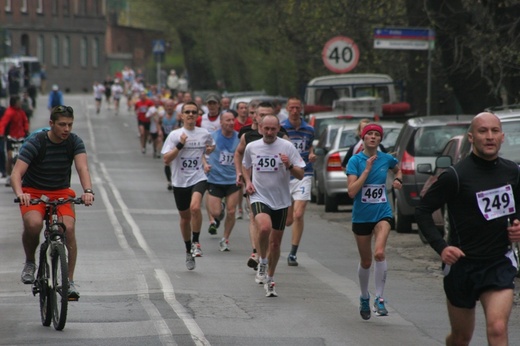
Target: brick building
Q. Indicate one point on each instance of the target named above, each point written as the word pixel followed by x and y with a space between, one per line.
pixel 75 40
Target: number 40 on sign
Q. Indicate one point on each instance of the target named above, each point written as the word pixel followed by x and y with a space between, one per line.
pixel 340 54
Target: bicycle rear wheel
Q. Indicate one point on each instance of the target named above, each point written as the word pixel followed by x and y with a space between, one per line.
pixel 60 287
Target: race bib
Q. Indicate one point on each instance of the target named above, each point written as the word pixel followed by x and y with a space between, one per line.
pixel 267 163
pixel 227 158
pixel 190 164
pixel 497 202
pixel 299 144
pixel 373 193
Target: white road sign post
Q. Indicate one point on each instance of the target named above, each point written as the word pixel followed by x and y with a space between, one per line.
pixel 340 54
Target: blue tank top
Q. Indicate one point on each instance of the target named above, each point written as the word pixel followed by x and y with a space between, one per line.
pixel 222 159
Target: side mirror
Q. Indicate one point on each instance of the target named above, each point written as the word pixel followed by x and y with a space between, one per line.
pixel 443 162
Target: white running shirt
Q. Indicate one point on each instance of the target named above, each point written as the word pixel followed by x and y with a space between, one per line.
pixel 187 168
pixel 270 177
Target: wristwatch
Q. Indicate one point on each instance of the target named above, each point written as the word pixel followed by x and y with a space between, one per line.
pixel 291 166
pixel 88 191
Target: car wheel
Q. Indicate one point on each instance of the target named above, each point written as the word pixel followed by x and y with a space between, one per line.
pixel 320 198
pixel 403 223
pixel 331 203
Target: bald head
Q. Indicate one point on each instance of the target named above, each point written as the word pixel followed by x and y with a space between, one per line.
pixel 485 133
pixel 484 117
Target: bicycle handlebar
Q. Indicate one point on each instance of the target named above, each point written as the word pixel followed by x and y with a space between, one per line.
pixel 44 199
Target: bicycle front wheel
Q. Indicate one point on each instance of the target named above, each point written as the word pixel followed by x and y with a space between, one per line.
pixel 46 305
pixel 60 287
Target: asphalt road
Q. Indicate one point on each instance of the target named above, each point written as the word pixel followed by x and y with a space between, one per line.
pixel 136 290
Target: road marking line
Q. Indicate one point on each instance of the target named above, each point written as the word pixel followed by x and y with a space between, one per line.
pixel 162 328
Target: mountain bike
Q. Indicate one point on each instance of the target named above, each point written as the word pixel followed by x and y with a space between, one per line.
pixel 52 278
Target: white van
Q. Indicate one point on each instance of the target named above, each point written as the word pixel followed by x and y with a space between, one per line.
pixel 321 92
pixel 29 68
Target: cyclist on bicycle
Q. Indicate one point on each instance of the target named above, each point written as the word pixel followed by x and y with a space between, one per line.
pixel 44 168
pixel 15 124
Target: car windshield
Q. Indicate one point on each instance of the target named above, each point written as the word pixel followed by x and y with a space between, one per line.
pixel 430 140
pixel 348 138
pixel 321 123
pixel 390 137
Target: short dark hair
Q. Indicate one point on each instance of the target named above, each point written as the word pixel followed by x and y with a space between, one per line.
pixel 191 103
pixel 62 111
pixel 265 104
pixel 13 100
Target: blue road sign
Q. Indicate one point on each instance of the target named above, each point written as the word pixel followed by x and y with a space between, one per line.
pixel 404 34
pixel 158 46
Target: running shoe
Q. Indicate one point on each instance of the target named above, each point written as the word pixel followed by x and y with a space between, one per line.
pixel 196 250
pixel 252 262
pixel 28 273
pixel 190 261
pixel 240 214
pixel 364 308
pixel 224 245
pixel 379 307
pixel 222 212
pixel 73 292
pixel 291 260
pixel 8 181
pixel 269 289
pixel 260 274
pixel 212 229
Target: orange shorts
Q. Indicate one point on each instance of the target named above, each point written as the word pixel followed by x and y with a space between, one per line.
pixel 64 209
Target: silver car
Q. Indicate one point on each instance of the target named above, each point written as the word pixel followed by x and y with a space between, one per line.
pixel 420 141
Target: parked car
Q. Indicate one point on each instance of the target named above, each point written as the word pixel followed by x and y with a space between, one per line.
pixel 420 141
pixel 329 183
pixel 249 98
pixel 440 216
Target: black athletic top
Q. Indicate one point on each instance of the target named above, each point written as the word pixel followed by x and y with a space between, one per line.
pixel 461 187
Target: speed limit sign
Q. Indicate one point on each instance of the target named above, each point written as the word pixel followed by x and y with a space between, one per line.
pixel 340 54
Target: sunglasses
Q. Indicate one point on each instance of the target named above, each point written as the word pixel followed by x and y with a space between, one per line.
pixel 62 109
pixel 191 112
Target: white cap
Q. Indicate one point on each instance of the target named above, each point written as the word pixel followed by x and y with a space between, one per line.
pixel 55 87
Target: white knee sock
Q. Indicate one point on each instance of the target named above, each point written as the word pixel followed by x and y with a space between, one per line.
pixel 364 277
pixel 380 277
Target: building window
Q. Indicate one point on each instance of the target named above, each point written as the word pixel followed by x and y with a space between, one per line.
pixel 24 43
pixel 7 5
pixel 55 53
pixel 95 52
pixel 66 51
pixel 54 7
pixel 39 6
pixel 23 9
pixel 66 7
pixel 40 49
pixel 83 53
